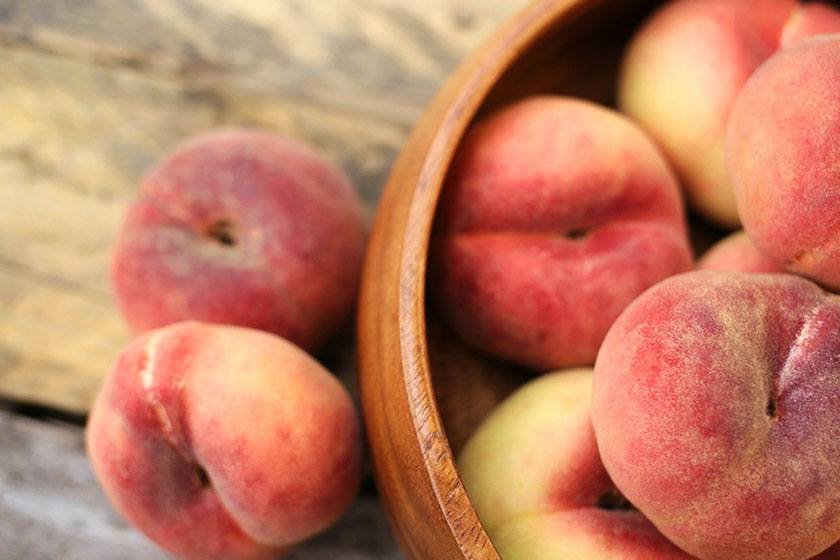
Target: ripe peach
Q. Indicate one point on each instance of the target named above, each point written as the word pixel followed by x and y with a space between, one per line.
pixel 548 203
pixel 224 442
pixel 533 474
pixel 783 148
pixel 685 67
pixel 737 253
pixel 246 228
pixel 716 406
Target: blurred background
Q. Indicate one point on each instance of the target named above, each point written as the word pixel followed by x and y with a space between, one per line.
pixel 92 92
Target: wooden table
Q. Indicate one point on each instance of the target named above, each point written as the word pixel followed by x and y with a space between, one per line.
pixel 91 93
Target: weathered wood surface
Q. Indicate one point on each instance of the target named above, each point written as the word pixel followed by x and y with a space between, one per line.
pixel 52 508
pixel 93 91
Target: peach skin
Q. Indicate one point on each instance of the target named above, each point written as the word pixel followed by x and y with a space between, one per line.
pixel 224 443
pixel 246 228
pixel 683 70
pixel 716 406
pixel 533 474
pixel 736 253
pixel 783 148
pixel 549 202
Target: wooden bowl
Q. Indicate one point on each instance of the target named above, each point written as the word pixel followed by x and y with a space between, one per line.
pixel 571 47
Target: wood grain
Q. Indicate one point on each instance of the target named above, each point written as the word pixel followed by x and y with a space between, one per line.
pixel 550 47
pixel 355 54
pixel 467 384
pixel 51 507
pixel 94 91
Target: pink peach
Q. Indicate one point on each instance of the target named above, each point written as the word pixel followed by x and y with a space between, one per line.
pixel 246 228
pixel 224 443
pixel 783 148
pixel 716 406
pixel 555 215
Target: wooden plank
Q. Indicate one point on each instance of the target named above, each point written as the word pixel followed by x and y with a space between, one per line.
pixel 83 130
pixel 50 229
pixel 352 54
pixel 57 340
pixel 95 130
pixel 51 507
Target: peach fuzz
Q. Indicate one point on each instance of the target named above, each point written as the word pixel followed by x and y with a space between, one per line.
pixel 716 406
pixel 548 204
pixel 224 443
pixel 736 253
pixel 683 70
pixel 533 474
pixel 783 148
pixel 242 227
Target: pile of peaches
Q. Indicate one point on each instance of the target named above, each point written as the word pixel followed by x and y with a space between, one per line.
pixel 701 416
pixel 685 415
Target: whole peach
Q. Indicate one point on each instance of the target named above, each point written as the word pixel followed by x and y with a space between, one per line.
pixel 222 442
pixel 783 148
pixel 716 406
pixel 556 214
pixel 737 253
pixel 534 477
pixel 246 228
pixel 683 70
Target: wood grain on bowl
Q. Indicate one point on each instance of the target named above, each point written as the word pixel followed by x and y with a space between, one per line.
pixel 458 370
pixel 570 47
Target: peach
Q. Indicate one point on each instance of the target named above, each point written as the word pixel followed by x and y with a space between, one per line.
pixel 534 477
pixel 716 406
pixel 222 442
pixel 242 227
pixel 555 215
pixel 737 253
pixel 783 148
pixel 683 70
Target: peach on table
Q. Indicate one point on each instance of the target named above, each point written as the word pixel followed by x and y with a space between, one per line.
pixel 224 442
